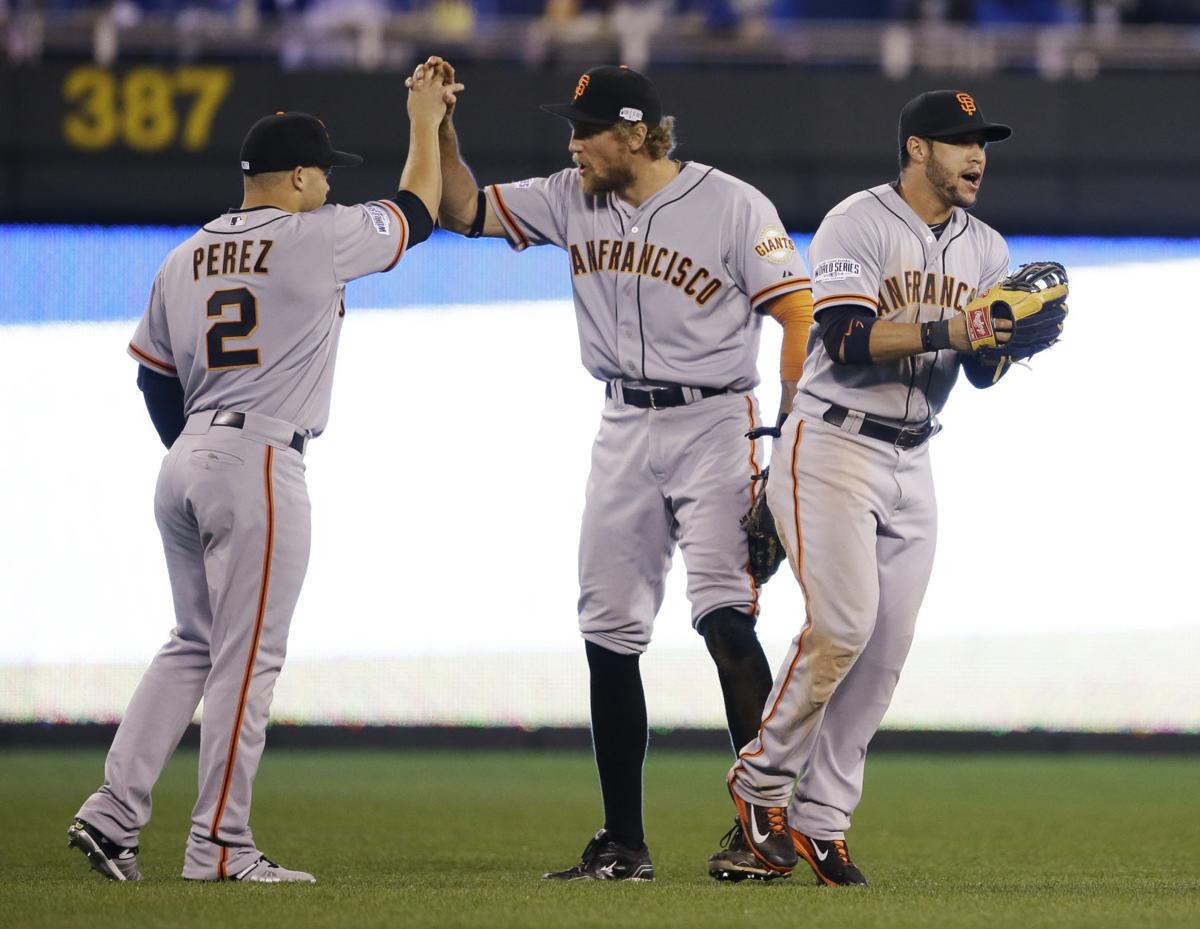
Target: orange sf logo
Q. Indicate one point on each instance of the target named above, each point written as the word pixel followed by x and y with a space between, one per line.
pixel 967 102
pixel 582 85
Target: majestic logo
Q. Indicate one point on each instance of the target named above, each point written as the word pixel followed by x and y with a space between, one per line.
pixel 836 269
pixel 967 102
pixel 582 85
pixel 773 244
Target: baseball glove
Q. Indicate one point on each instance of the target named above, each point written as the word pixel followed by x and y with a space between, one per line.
pixel 1034 298
pixel 766 551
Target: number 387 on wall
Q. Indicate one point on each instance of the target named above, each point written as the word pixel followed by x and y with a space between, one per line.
pixel 147 109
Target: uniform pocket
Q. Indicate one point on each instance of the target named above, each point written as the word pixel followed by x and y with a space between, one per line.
pixel 213 459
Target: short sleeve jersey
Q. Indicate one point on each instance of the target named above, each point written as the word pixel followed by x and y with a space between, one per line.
pixel 247 312
pixel 873 251
pixel 666 291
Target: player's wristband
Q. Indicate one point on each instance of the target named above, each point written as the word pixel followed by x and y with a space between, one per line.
pixel 476 229
pixel 935 336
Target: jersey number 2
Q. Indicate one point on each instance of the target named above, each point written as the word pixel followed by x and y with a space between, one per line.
pixel 218 355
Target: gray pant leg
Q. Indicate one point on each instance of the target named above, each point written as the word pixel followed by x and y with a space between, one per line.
pixel 257 522
pixel 626 538
pixel 831 786
pixel 827 510
pixel 166 698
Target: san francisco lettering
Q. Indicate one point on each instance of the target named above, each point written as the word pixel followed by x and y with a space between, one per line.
pixel 645 259
pixel 925 289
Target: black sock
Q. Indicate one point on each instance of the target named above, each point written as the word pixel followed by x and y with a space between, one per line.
pixel 619 735
pixel 742 668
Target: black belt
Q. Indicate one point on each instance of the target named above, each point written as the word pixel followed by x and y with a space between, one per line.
pixel 238 420
pixel 874 429
pixel 661 397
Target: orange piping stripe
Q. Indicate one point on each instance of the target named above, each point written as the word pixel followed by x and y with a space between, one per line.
pixel 403 232
pixel 780 285
pixel 871 300
pixel 150 358
pixel 222 873
pixel 753 498
pixel 508 218
pixel 807 612
pixel 231 755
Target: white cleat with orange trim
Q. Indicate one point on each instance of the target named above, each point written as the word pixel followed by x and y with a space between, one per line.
pixel 265 871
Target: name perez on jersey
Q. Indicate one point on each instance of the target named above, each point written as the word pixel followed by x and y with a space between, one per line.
pixel 646 260
pixel 234 257
pixel 919 288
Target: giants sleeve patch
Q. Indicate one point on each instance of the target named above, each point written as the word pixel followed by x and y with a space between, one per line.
pixel 836 269
pixel 773 244
pixel 379 218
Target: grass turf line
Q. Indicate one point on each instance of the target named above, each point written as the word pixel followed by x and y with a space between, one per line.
pixel 438 839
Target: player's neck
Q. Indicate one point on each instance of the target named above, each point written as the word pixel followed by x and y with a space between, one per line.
pixel 648 180
pixel 251 202
pixel 923 200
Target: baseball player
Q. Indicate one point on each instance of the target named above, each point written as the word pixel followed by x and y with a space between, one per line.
pixel 894 268
pixel 672 265
pixel 236 352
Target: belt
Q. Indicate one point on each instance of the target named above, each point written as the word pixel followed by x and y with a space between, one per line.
pixel 238 420
pixel 661 397
pixel 874 429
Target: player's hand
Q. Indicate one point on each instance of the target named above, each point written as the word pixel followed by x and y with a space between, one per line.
pixel 447 74
pixel 429 95
pixel 961 342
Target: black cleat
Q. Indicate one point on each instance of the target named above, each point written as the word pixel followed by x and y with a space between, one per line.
pixel 765 831
pixel 829 859
pixel 736 862
pixel 115 862
pixel 607 860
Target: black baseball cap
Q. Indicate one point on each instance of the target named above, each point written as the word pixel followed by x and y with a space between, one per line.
pixel 608 94
pixel 288 140
pixel 945 114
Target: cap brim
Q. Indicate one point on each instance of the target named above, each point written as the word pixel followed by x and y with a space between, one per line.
pixel 992 132
pixel 568 111
pixel 345 160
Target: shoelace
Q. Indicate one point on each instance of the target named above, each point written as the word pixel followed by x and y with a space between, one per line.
pixel 729 837
pixel 777 819
pixel 843 854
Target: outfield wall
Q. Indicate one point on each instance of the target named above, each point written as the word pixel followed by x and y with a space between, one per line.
pixel 441 589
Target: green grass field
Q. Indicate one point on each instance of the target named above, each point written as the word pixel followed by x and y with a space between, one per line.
pixel 416 839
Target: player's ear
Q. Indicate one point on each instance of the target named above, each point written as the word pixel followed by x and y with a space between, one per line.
pixel 636 140
pixel 297 178
pixel 918 149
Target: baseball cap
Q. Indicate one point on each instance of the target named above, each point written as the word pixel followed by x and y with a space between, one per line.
pixel 944 114
pixel 608 94
pixel 287 140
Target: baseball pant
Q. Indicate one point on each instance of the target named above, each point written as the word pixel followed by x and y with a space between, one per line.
pixel 859 520
pixel 659 477
pixel 233 511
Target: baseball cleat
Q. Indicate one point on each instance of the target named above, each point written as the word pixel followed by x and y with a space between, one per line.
pixel 265 871
pixel 829 859
pixel 115 862
pixel 765 831
pixel 607 860
pixel 736 862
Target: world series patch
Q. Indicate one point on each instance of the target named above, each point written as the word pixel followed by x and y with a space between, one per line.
pixel 836 269
pixel 379 218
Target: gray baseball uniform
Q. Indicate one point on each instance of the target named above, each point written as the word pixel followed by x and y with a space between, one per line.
pixel 246 313
pixel 857 514
pixel 665 293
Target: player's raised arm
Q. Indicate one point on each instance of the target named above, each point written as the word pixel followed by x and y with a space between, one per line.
pixel 464 208
pixel 428 97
